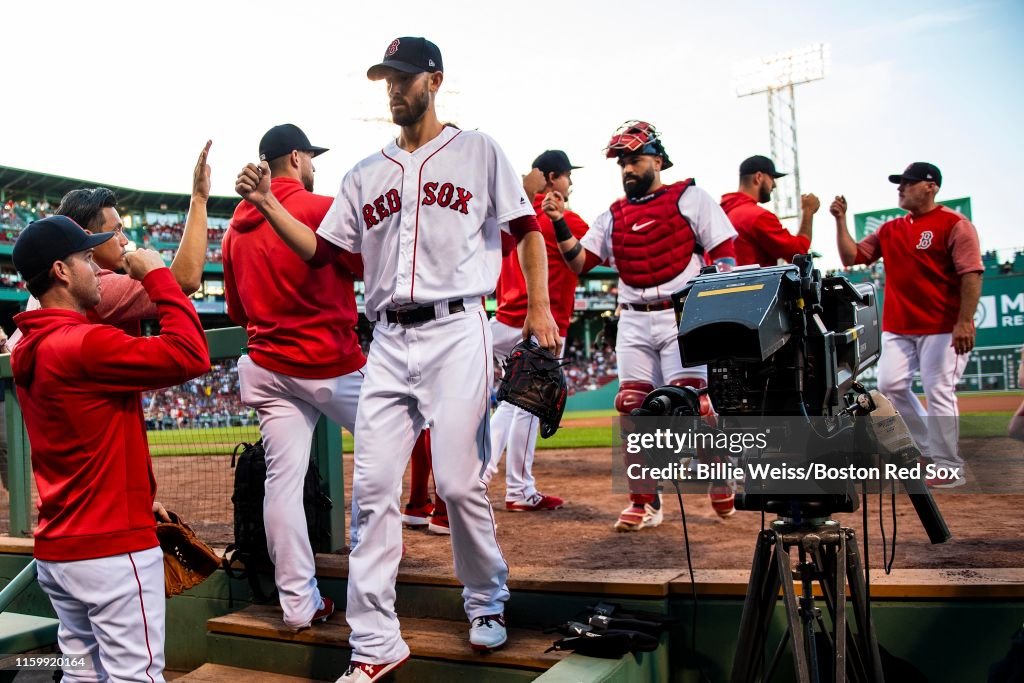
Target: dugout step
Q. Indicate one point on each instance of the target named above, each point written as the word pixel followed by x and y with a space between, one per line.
pixel 438 640
pixel 218 673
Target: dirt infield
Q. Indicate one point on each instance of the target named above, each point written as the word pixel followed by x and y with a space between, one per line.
pixel 986 528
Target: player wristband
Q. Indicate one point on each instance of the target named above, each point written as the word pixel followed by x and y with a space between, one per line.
pixel 562 231
pixel 573 253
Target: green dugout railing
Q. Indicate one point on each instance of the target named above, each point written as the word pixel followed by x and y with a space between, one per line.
pixel 224 343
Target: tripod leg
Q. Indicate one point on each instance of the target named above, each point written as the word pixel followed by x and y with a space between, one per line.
pixel 839 615
pixel 757 609
pixel 803 674
pixel 858 595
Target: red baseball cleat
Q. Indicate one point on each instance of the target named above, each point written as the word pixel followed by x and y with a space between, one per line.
pixel 537 501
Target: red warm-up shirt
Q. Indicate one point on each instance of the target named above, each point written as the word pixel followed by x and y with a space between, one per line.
pixel 511 291
pixel 301 320
pixel 761 239
pixel 78 384
pixel 925 257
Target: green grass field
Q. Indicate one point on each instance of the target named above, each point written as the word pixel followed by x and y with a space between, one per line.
pixel 222 440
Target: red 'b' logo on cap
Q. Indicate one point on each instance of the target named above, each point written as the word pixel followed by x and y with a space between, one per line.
pixel 392 48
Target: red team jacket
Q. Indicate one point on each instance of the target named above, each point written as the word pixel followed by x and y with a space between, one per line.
pixel 78 384
pixel 300 320
pixel 562 281
pixel 761 237
pixel 925 258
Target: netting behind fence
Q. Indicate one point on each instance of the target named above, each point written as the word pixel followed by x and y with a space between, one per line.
pixel 193 428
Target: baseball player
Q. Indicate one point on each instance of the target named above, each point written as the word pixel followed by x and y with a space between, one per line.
pixel 79 385
pixel 657 236
pixel 761 238
pixel 426 212
pixel 928 316
pixel 303 355
pixel 513 429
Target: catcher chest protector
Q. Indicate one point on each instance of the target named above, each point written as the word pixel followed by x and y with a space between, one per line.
pixel 250 546
pixel 651 241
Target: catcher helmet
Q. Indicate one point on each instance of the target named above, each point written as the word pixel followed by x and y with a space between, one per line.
pixel 637 137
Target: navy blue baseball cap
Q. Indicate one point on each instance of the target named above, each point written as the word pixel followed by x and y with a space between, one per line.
pixel 916 172
pixel 281 140
pixel 409 55
pixel 52 239
pixel 553 161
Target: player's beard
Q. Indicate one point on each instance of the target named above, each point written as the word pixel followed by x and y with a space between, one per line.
pixel 416 107
pixel 639 184
pixel 765 194
pixel 307 181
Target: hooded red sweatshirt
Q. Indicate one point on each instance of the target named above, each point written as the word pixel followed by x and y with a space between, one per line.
pixel 78 385
pixel 301 321
pixel 762 239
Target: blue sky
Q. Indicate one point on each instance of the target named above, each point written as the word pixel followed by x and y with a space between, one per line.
pixel 126 93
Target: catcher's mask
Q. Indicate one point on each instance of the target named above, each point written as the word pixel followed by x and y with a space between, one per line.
pixel 637 137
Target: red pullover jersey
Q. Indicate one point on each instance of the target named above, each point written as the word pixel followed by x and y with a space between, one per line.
pixel 78 384
pixel 301 320
pixel 511 292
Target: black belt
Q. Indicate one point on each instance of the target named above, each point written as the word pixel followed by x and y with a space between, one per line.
pixel 647 308
pixel 420 314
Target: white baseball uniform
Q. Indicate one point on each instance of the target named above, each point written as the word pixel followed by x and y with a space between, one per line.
pixel 428 226
pixel 646 347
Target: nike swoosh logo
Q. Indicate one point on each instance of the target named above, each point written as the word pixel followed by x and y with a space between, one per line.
pixel 641 226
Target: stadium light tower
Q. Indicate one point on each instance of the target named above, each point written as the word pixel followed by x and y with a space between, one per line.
pixel 776 75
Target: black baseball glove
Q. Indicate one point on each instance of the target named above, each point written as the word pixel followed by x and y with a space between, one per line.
pixel 534 381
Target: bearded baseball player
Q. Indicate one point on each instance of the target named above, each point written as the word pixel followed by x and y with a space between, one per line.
pixel 928 313
pixel 658 237
pixel 426 212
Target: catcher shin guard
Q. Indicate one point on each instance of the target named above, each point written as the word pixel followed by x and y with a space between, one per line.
pixel 631 396
pixel 534 381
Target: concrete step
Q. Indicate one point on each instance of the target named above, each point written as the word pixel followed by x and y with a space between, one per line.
pixel 440 648
pixel 217 673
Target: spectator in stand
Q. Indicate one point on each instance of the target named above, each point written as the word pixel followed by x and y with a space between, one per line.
pixel 761 238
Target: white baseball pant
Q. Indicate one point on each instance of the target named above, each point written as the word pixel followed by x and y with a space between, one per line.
pixel 648 351
pixel 289 408
pixel 512 429
pixel 935 429
pixel 438 372
pixel 111 611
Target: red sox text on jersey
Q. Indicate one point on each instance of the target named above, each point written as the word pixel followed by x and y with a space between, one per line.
pixel 434 193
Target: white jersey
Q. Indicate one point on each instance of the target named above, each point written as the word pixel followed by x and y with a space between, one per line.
pixel 428 222
pixel 709 223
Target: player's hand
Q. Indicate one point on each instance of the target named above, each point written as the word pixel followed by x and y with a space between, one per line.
pixel 541 325
pixel 810 203
pixel 160 512
pixel 838 207
pixel 253 183
pixel 4 349
pixel 141 263
pixel 554 205
pixel 201 176
pixel 963 337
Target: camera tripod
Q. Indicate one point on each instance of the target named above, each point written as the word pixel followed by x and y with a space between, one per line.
pixel 827 553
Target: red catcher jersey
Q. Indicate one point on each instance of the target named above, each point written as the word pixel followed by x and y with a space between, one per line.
pixel 562 281
pixel 924 259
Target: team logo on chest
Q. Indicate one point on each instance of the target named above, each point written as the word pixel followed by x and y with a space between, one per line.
pixel 447 195
pixel 926 239
pixel 380 208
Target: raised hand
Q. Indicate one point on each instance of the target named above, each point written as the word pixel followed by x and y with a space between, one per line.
pixel 201 175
